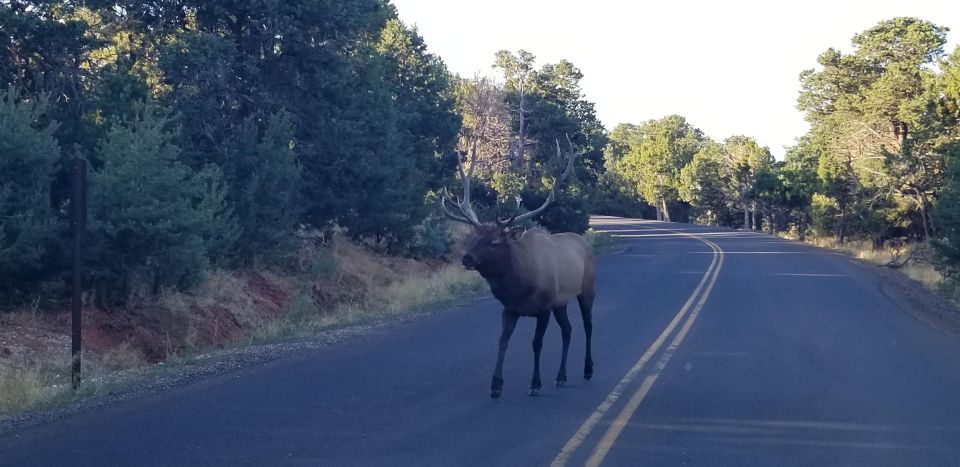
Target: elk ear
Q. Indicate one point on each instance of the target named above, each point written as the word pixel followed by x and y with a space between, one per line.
pixel 516 233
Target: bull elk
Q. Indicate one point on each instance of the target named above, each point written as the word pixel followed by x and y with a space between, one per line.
pixel 531 272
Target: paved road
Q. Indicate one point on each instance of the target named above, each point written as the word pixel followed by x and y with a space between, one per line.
pixel 712 347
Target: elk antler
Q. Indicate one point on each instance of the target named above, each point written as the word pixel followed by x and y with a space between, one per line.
pixel 556 185
pixel 466 214
pixel 503 224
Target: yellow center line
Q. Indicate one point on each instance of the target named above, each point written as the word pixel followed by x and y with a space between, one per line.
pixel 588 425
pixel 613 432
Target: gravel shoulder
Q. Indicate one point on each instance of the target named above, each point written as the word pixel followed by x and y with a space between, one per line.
pixel 918 301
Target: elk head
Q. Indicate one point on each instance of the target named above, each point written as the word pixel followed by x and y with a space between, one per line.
pixel 489 248
pixel 490 245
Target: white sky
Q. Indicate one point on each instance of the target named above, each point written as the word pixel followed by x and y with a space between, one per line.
pixel 729 67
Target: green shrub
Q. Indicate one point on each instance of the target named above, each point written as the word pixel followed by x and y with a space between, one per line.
pixel 263 177
pixel 28 225
pixel 570 212
pixel 151 218
pixel 947 215
pixel 824 212
pixel 432 238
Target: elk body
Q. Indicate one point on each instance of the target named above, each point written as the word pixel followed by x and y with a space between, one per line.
pixel 532 273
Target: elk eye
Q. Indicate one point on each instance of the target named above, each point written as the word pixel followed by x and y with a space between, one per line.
pixel 496 242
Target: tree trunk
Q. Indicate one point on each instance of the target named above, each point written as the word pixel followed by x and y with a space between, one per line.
pixel 802 227
pixel 522 137
pixel 746 216
pixel 923 214
pixel 666 213
pixel 753 212
pixel 840 232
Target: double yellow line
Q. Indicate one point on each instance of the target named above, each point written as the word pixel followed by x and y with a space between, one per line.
pixel 691 310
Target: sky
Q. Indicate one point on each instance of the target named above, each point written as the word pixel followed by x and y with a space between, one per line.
pixel 729 67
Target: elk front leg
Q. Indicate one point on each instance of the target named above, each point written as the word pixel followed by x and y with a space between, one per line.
pixel 560 313
pixel 543 319
pixel 509 322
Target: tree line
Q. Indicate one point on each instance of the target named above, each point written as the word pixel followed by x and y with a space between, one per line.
pixel 224 134
pixel 881 159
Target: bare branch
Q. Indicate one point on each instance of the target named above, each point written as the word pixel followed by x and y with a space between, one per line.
pixel 555 190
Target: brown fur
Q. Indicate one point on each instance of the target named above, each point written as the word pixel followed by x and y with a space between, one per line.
pixel 533 273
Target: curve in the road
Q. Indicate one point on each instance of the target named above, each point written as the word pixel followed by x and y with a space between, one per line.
pixel 702 291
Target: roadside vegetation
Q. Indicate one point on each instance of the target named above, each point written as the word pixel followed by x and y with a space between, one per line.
pixel 877 175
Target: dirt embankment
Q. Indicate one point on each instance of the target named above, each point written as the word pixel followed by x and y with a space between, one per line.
pixel 229 308
pixel 223 311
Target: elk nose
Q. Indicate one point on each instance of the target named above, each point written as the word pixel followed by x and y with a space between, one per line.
pixel 468 261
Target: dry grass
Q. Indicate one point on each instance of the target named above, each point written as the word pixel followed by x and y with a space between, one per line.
pixel 123 356
pixel 48 383
pixel 413 294
pixel 20 389
pixel 366 286
pixel 419 293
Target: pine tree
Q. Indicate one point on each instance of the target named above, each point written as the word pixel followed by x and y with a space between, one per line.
pixel 28 225
pixel 263 179
pixel 152 219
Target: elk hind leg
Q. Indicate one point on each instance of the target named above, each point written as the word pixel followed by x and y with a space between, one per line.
pixel 586 310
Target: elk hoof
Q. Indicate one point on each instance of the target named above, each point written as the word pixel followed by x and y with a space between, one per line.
pixel 534 391
pixel 496 387
pixel 560 383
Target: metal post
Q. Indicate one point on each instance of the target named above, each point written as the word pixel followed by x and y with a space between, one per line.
pixel 78 214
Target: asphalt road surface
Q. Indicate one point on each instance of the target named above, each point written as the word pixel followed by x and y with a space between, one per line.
pixel 711 347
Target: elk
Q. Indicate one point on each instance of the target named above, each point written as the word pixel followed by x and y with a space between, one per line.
pixel 531 272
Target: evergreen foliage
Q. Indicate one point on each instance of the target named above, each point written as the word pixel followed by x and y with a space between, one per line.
pixel 152 219
pixel 29 227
